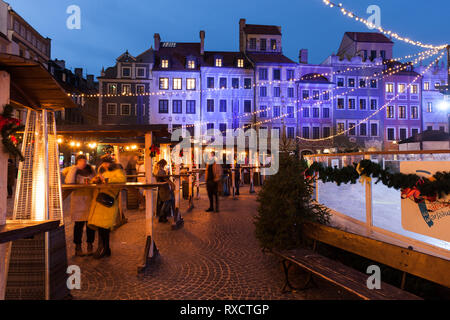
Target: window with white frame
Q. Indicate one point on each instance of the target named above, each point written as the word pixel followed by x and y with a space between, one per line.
pixel 125 109
pixel 389 88
pixel 414 131
pixel 305 132
pixel 390 132
pixel 351 82
pixel 111 109
pixel 363 129
pixel 126 89
pixel 351 103
pixel 164 83
pixel 362 82
pixel 140 89
pixel 126 72
pixel 402 112
pixel 140 72
pixel 190 106
pixel 373 83
pixel 190 84
pixel 374 129
pixel 341 103
pixel 177 83
pixel 403 132
pixel 352 129
pixel 112 88
pixel 414 89
pixel 390 113
pixel 373 104
pixel 426 86
pixel 429 107
pixel 401 88
pixel 340 82
pixel 362 104
pixel 340 127
pixel 414 112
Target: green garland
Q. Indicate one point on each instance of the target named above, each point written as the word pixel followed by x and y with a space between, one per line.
pixel 9 127
pixel 437 186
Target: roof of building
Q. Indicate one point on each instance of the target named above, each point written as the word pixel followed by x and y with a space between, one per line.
pixel 229 59
pixel 261 29
pixel 32 85
pixel 177 53
pixel 428 135
pixel 269 58
pixel 368 37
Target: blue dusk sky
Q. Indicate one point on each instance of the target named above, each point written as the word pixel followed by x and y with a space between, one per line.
pixel 109 27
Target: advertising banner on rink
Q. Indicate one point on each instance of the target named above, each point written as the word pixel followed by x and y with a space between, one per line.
pixel 426 216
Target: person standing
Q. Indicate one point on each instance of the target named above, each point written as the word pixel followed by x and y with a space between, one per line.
pixel 80 202
pixel 166 196
pixel 237 176
pixel 12 174
pixel 105 207
pixel 213 178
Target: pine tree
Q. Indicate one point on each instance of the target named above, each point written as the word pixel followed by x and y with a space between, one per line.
pixel 285 202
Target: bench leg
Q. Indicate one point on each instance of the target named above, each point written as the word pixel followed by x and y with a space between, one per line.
pixel 287 284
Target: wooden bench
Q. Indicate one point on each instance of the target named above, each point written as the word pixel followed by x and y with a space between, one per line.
pixel 337 273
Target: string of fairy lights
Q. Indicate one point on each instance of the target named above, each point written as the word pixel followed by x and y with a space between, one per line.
pixel 390 33
pixel 377 111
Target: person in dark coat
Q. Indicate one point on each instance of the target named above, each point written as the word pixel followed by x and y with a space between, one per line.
pixel 213 180
pixel 166 197
pixel 12 174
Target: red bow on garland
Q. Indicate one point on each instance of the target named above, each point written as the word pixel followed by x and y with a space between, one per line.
pixel 154 150
pixel 414 194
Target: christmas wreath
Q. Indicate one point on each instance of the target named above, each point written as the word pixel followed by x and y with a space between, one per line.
pixel 9 126
pixel 437 186
pixel 154 150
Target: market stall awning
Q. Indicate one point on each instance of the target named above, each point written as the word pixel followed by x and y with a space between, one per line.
pixel 32 86
pixel 159 130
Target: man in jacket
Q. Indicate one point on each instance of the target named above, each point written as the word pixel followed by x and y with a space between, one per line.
pixel 213 178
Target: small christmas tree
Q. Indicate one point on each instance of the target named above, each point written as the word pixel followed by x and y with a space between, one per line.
pixel 285 202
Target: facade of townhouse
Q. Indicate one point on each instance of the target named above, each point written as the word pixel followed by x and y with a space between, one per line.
pixel 80 87
pixel 122 89
pixel 435 110
pixel 358 95
pixel 402 114
pixel 314 106
pixel 275 89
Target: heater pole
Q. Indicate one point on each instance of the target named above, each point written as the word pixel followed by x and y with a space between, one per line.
pixel 46 207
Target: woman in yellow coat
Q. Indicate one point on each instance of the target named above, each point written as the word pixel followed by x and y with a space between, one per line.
pixel 105 206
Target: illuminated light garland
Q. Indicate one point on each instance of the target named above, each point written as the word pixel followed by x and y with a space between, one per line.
pixel 352 15
pixel 377 111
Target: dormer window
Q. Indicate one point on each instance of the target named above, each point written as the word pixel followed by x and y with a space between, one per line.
pixel 165 63
pixel 191 64
pixel 273 44
pixel 240 63
pixel 218 62
pixel 126 72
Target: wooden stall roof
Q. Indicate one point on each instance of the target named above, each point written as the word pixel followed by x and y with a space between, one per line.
pixel 32 86
pixel 112 130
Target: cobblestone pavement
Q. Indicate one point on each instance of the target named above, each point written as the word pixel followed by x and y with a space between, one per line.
pixel 214 256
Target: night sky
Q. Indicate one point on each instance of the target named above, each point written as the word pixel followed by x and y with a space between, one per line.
pixel 109 27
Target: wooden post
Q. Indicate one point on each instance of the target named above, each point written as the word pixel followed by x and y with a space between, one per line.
pixel 4 99
pixel 150 246
pixel 191 182
pixel 369 206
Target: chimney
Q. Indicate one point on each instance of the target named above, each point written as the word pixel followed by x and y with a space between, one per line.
pixel 79 72
pixel 90 80
pixel 157 41
pixel 242 40
pixel 61 63
pixel 303 56
pixel 202 42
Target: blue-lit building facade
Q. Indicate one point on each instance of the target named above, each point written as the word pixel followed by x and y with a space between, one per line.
pixel 182 85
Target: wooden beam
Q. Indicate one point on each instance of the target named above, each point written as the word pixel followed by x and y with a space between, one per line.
pixel 422 265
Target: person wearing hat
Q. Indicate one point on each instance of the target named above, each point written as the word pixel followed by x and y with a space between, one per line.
pixel 80 203
pixel 105 207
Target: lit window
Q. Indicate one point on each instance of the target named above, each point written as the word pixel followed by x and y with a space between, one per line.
pixel 218 62
pixel 240 63
pixel 164 63
pixel 164 83
pixel 414 112
pixel 351 82
pixel 140 89
pixel 191 64
pixel 273 44
pixel 351 103
pixel 402 112
pixel 426 86
pixel 340 127
pixel 190 84
pixel 390 112
pixel 112 88
pixel 177 84
pixel 430 107
pixel 126 89
pixel 401 87
pixel 414 89
pixel 389 87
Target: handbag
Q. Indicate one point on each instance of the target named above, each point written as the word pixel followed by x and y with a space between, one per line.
pixel 105 199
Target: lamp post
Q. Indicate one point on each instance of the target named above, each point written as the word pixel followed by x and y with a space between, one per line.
pixel 445 89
